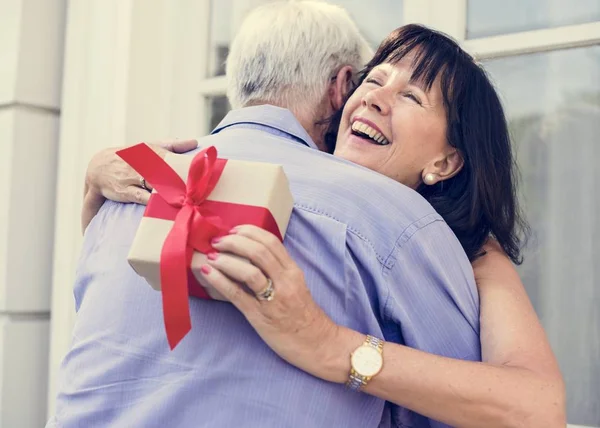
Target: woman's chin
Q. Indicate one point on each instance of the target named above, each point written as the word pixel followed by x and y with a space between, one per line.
pixel 354 156
pixel 357 150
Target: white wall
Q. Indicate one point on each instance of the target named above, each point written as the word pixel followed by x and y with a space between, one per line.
pixel 130 70
pixel 31 52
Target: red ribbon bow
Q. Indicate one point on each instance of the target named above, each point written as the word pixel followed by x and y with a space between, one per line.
pixel 194 225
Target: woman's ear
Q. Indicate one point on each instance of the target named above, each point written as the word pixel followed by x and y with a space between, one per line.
pixel 450 165
pixel 339 87
pixel 443 168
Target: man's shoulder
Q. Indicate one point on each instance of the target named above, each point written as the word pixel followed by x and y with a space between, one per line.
pixel 369 203
pixel 323 178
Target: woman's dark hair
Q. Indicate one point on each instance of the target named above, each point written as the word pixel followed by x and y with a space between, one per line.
pixel 481 200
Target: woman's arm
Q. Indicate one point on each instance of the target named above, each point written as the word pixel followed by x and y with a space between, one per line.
pixel 109 177
pixel 518 384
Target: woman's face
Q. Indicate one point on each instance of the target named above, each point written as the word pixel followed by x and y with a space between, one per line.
pixel 394 126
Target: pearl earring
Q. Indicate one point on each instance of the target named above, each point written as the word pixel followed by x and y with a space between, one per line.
pixel 429 179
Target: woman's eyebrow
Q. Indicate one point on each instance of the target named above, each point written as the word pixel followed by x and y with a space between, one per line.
pixel 378 71
pixel 419 83
pixel 381 68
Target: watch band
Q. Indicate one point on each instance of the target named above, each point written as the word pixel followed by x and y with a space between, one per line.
pixel 357 381
pixel 354 382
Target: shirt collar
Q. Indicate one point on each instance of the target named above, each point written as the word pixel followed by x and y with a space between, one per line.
pixel 269 116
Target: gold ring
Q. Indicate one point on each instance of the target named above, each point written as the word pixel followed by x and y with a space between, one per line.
pixel 266 293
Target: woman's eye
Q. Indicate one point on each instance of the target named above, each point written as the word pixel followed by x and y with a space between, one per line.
pixel 374 81
pixel 412 96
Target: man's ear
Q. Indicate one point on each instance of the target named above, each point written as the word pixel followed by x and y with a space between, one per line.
pixel 340 86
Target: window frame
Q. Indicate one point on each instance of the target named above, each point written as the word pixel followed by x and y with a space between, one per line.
pixel 449 16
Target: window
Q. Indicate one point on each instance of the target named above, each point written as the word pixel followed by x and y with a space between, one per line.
pixel 490 17
pixel 553 105
pixel 217 108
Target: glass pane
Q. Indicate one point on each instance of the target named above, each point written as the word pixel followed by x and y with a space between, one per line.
pixel 375 19
pixel 491 17
pixel 217 109
pixel 553 105
pixel 226 17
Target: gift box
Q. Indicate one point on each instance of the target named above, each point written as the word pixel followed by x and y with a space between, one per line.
pixel 195 199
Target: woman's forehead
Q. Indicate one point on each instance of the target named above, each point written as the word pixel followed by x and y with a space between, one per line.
pixel 426 63
pixel 407 65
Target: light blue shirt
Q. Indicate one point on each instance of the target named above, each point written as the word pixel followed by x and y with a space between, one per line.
pixel 376 257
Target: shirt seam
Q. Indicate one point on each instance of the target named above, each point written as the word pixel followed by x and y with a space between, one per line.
pixel 386 262
pixel 404 237
pixel 408 233
pixel 354 231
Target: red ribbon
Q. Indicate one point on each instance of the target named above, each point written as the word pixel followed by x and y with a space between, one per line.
pixel 196 222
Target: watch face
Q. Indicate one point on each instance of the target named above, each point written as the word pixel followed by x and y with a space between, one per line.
pixel 366 361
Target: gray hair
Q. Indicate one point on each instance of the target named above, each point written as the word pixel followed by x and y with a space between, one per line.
pixel 285 53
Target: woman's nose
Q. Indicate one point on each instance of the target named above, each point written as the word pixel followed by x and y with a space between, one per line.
pixel 375 100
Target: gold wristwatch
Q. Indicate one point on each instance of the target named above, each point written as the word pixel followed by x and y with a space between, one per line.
pixel 366 362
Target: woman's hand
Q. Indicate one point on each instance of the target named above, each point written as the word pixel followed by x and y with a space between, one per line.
pixel 291 324
pixel 109 177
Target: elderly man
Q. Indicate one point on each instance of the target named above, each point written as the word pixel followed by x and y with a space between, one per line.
pixel 290 67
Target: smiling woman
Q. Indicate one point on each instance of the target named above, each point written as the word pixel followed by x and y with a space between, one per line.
pixel 410 118
pixel 418 93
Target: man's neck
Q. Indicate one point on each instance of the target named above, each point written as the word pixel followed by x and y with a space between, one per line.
pixel 317 133
pixel 315 130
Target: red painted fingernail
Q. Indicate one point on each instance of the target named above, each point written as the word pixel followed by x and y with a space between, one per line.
pixel 205 269
pixel 215 240
pixel 233 231
pixel 212 256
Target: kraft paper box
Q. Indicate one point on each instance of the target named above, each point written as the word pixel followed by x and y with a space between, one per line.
pixel 241 185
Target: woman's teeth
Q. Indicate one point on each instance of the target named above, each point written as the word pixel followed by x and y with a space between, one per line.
pixel 366 130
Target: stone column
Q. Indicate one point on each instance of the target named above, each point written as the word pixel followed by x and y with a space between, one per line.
pixel 31 54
